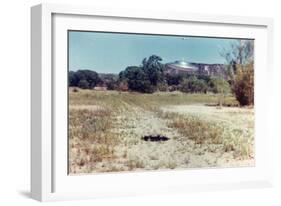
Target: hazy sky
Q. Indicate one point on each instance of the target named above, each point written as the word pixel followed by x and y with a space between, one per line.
pixel 113 52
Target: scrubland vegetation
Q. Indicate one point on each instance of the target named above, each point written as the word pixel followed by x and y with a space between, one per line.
pixel 106 130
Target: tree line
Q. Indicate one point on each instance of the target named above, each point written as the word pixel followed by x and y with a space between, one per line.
pixel 150 77
pixel 147 78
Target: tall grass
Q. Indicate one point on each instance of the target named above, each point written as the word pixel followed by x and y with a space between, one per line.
pixel 91 139
pixel 194 128
pixel 205 132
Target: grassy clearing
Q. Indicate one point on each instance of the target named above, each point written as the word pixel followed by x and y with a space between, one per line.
pixel 106 130
pixel 115 99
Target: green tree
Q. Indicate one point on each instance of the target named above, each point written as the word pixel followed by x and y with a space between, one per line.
pixel 137 79
pixel 72 79
pixel 145 78
pixel 193 85
pixel 89 76
pixel 86 79
pixel 153 69
pixel 220 87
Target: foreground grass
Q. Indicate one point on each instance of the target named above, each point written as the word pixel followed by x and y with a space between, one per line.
pixel 106 128
pixel 203 131
pixel 91 140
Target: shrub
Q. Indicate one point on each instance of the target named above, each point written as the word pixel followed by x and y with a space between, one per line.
pixel 173 79
pixel 163 87
pixel 123 86
pixel 83 84
pixel 244 85
pixel 111 85
pixel 221 87
pixel 193 85
pixel 173 88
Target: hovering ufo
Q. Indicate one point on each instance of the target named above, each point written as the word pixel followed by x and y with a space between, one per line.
pixel 181 66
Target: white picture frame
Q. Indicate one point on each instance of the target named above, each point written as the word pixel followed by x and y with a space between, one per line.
pixel 49 179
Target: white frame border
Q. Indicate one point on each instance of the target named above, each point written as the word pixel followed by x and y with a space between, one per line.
pixel 42 87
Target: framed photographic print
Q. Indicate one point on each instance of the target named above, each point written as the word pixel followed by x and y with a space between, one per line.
pixel 137 102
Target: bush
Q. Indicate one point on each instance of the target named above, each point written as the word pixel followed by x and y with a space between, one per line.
pixel 84 84
pixel 111 85
pixel 109 80
pixel 162 87
pixel 173 88
pixel 244 85
pixel 221 87
pixel 84 79
pixel 193 85
pixel 173 79
pixel 123 86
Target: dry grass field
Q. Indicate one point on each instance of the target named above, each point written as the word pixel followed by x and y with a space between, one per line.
pixel 106 130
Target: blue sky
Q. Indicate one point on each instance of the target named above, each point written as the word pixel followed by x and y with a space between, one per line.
pixel 113 52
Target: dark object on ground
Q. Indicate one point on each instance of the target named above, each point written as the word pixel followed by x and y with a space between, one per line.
pixel 75 89
pixel 156 138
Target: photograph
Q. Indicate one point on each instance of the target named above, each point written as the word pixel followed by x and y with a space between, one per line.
pixel 159 102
